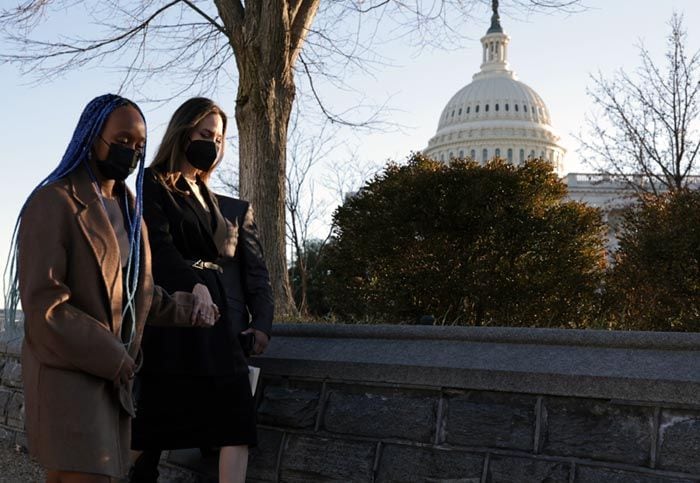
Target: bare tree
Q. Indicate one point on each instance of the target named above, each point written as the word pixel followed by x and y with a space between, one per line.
pixel 645 126
pixel 196 42
pixel 303 209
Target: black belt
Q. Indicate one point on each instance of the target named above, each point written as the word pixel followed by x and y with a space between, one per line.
pixel 202 265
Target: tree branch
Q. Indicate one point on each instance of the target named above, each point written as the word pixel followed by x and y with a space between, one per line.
pixel 300 22
pixel 194 7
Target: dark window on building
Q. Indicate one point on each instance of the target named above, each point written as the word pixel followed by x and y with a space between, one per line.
pixel 468 109
pixel 507 107
pixel 522 155
pixel 453 113
pixel 525 107
pixel 461 153
pixel 473 154
pixel 496 106
pixel 487 108
pixel 498 152
pixel 460 112
pixel 510 154
pixel 517 108
pixel 477 108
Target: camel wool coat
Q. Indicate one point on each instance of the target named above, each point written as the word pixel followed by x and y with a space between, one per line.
pixel 70 281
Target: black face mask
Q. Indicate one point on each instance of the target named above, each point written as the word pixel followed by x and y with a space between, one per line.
pixel 202 154
pixel 120 163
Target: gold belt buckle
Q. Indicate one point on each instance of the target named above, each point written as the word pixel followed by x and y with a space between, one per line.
pixel 201 264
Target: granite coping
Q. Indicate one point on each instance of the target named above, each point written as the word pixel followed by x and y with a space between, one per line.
pixel 653 368
pixel 515 335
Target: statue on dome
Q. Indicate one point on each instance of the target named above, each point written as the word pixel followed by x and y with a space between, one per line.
pixel 495 18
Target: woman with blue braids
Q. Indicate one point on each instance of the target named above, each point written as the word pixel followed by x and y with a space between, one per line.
pixel 81 266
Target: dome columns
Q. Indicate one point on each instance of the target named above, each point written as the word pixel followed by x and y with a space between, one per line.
pixel 495 53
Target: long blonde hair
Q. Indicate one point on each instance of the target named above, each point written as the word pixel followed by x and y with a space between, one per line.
pixel 171 152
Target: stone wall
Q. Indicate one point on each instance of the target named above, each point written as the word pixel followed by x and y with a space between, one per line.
pixel 429 404
pixel 11 396
pixel 350 403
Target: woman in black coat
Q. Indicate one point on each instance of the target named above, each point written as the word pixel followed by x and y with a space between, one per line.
pixel 194 389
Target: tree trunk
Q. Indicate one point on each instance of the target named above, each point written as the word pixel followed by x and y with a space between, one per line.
pixel 304 279
pixel 262 115
pixel 266 37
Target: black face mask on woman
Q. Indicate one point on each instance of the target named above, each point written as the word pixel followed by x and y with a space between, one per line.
pixel 120 163
pixel 202 154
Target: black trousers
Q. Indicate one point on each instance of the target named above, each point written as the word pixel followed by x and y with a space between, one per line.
pixel 145 469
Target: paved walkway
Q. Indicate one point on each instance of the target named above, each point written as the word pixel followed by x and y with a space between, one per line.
pixel 17 467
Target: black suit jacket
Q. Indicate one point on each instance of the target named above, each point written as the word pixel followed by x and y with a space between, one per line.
pixel 246 279
pixel 181 233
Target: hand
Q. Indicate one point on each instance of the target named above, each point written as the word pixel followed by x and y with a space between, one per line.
pixel 126 372
pixel 261 340
pixel 205 312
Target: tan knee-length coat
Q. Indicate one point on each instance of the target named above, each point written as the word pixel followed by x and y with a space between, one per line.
pixel 70 281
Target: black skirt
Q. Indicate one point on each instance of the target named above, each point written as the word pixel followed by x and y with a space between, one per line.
pixel 176 412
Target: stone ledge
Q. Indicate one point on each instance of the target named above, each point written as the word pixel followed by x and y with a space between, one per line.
pixel 513 335
pixel 649 368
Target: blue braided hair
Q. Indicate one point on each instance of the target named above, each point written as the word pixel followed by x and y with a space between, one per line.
pixel 89 126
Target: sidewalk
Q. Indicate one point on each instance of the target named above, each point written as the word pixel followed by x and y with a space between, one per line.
pixel 17 467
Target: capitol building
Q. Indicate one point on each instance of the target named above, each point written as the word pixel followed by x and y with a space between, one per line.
pixel 497 115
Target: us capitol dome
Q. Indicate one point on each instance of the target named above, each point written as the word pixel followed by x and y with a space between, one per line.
pixel 496 114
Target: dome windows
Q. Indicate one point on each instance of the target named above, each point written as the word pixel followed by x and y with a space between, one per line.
pixel 510 153
pixel 461 153
pixel 496 106
pixel 522 155
pixel 453 113
pixel 473 155
pixel 516 108
pixel 507 107
pixel 468 109
pixel 486 108
pixel 477 109
pixel 524 107
pixel 460 112
pixel 484 155
pixel 498 152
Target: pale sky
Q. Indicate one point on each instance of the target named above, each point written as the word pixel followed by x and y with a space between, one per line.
pixel 553 53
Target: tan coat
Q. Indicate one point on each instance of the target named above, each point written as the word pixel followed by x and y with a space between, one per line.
pixel 70 282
